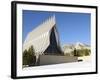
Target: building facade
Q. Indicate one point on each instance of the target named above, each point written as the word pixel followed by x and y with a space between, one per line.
pixel 44 38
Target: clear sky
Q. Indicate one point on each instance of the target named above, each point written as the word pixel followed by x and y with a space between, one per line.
pixel 72 27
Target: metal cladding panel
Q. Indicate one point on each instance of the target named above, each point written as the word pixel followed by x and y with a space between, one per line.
pixel 39 37
pixel 39 44
pixel 46 26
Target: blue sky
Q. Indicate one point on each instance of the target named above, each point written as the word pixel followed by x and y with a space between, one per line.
pixel 72 27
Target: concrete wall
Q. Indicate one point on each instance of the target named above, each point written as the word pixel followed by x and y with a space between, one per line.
pixel 55 59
